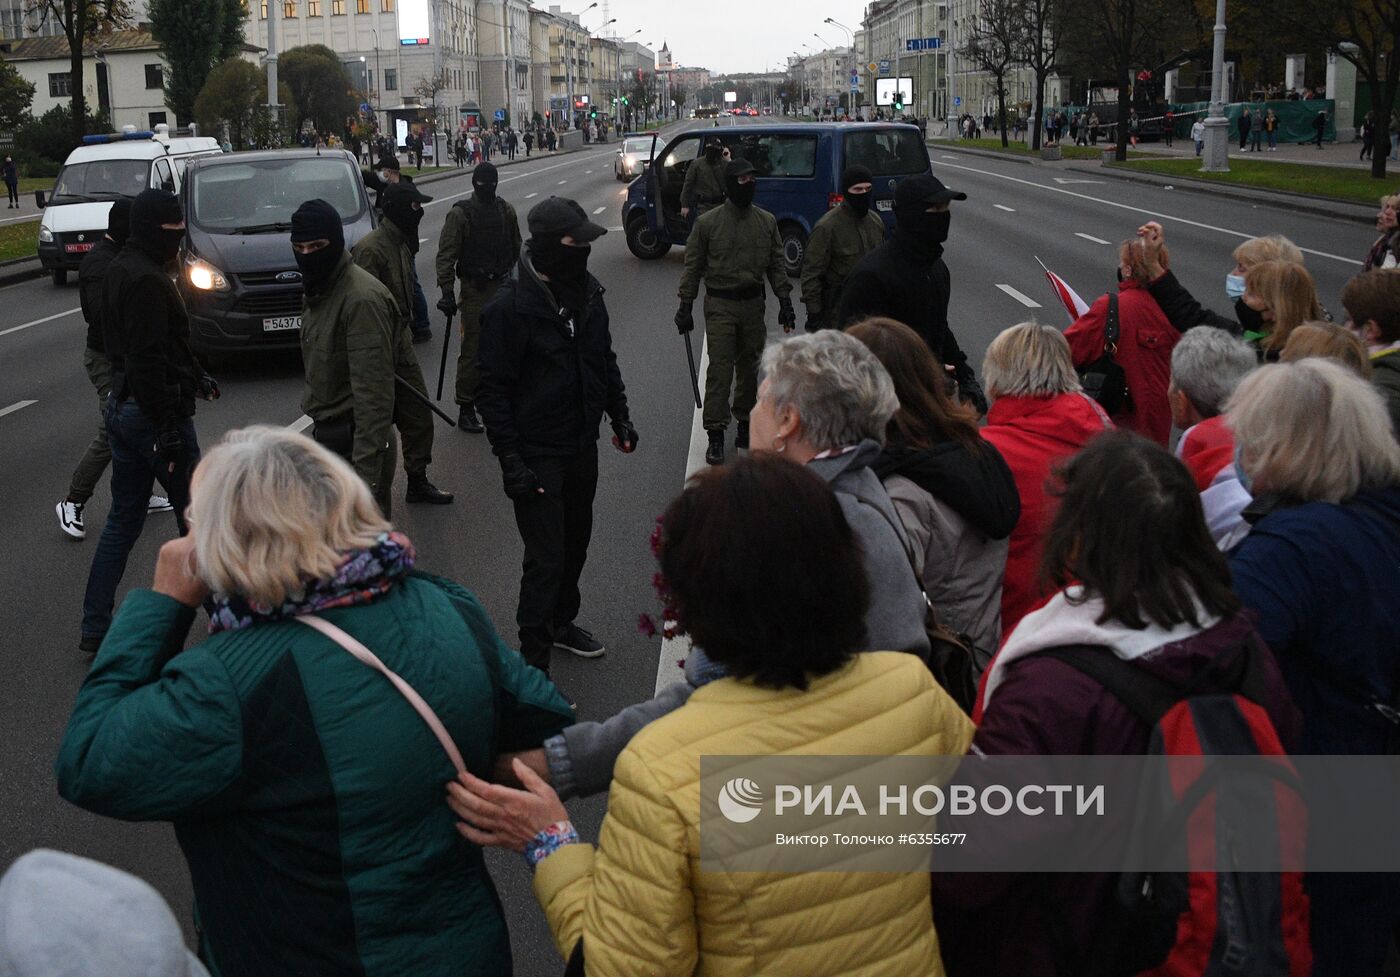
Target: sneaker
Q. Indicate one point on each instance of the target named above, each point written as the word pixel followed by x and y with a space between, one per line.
pixel 89 643
pixel 573 638
pixel 70 518
pixel 159 503
pixel 468 421
pixel 714 454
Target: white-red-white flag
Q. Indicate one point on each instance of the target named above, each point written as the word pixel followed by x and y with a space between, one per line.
pixel 1068 297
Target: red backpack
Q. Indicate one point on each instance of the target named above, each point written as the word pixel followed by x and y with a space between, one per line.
pixel 1187 924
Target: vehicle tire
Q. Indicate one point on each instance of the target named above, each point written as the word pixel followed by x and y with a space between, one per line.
pixel 642 241
pixel 60 276
pixel 794 248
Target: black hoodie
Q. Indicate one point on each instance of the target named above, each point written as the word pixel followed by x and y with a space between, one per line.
pixel 976 485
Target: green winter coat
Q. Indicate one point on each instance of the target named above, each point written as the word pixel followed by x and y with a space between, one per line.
pixel 838 242
pixel 349 345
pixel 384 253
pixel 734 247
pixel 307 795
pixel 703 188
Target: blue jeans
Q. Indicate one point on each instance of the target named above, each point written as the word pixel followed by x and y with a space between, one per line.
pixel 420 306
pixel 135 468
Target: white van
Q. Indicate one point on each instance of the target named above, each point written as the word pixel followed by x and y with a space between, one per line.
pixel 105 167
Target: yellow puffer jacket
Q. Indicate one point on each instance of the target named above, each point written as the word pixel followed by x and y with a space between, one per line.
pixel 644 908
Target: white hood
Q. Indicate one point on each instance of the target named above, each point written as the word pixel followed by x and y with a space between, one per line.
pixel 70 218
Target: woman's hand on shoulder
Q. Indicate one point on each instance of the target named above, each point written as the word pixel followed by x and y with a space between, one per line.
pixel 502 817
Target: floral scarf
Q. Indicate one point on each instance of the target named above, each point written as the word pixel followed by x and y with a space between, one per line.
pixel 361 577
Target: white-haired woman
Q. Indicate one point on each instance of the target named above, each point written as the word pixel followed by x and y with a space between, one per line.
pixel 1039 417
pixel 306 793
pixel 1318 567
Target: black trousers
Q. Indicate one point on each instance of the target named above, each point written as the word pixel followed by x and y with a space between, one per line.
pixel 555 528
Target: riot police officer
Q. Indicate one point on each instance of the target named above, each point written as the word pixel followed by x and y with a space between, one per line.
pixel 480 244
pixel 842 236
pixel 703 188
pixel 732 248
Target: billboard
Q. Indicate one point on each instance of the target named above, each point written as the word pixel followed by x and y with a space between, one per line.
pixel 886 87
pixel 731 97
pixel 415 21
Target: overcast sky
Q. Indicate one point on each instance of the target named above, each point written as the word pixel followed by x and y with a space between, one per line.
pixel 726 35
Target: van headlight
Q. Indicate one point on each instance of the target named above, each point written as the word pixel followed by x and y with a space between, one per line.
pixel 204 276
pixel 45 235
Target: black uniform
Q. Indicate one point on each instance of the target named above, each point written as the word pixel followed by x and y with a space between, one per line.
pixel 548 373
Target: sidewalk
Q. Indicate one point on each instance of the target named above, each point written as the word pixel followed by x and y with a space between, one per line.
pixel 1345 154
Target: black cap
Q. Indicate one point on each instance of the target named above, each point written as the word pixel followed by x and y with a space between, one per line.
pixel 316 220
pixel 558 217
pixel 737 168
pixel 388 163
pixel 923 190
pixel 405 189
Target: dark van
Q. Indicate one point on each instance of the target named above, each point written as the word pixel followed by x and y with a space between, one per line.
pixel 237 274
pixel 799 172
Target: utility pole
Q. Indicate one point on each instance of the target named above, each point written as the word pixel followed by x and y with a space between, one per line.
pixel 950 70
pixel 272 12
pixel 1217 155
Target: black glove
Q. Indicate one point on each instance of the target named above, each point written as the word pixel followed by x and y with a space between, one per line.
pixel 814 321
pixel 685 319
pixel 787 318
pixel 170 445
pixel 208 387
pixel 447 305
pixel 625 436
pixel 971 392
pixel 520 481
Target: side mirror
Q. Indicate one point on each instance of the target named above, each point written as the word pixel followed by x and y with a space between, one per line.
pixel 41 199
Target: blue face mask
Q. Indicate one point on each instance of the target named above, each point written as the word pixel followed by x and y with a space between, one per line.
pixel 1234 286
pixel 1241 474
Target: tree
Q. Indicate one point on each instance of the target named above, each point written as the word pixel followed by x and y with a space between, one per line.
pixel 80 20
pixel 16 95
pixel 231 28
pixel 995 45
pixel 190 33
pixel 427 89
pixel 1041 29
pixel 231 96
pixel 678 97
pixel 50 136
pixel 319 84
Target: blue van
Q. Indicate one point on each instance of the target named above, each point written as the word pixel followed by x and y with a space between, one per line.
pixel 799 172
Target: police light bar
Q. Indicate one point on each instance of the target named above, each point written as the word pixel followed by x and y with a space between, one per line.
pixel 97 139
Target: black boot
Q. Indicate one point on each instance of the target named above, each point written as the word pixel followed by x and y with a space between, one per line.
pixel 714 454
pixel 422 490
pixel 741 437
pixel 468 421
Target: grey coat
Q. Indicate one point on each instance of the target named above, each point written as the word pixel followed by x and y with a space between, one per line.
pixel 581 758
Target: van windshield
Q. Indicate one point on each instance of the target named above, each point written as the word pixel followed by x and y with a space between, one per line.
pixel 887 152
pixel 101 179
pixel 256 196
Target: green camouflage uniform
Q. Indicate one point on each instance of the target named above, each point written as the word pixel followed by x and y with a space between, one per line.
pixel 384 254
pixel 838 242
pixel 348 347
pixel 703 189
pixel 731 249
pixel 482 262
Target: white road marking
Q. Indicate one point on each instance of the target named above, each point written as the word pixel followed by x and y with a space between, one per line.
pixel 1090 237
pixel 529 195
pixel 17 405
pixel 1009 210
pixel 300 424
pixel 616 228
pixel 422 240
pixel 587 172
pixel 26 217
pixel 1021 297
pixel 600 210
pixel 1137 210
pixel 1063 180
pixel 674 650
pixel 38 322
pixel 946 156
pixel 562 182
pixel 443 198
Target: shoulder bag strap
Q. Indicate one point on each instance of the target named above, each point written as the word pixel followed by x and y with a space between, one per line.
pixel 415 700
pixel 1110 328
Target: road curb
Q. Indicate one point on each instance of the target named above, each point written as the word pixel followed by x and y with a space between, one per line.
pixel 985 153
pixel 18 270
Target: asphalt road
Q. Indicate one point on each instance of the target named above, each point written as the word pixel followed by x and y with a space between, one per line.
pixel 48 413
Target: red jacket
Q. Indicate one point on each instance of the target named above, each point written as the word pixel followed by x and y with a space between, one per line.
pixel 1206 448
pixel 1145 343
pixel 1034 434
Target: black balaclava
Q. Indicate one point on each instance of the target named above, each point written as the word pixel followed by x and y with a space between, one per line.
pixel 858 202
pixel 739 194
pixel 149 211
pixel 713 151
pixel 119 220
pixel 566 267
pixel 923 231
pixel 313 221
pixel 484 179
pixel 402 210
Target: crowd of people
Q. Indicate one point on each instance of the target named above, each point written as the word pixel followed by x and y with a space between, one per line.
pixel 899 562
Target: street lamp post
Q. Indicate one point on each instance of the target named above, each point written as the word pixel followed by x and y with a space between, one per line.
pixel 1217 150
pixel 851 67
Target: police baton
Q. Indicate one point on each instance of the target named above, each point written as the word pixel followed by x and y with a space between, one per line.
pixel 421 397
pixel 694 377
pixel 442 367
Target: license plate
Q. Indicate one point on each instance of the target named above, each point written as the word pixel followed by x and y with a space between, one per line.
pixel 282 322
pixel 77 248
pixel 884 205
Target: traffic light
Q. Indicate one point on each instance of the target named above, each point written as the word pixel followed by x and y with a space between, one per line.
pixel 625 101
pixel 593 113
pixel 899 101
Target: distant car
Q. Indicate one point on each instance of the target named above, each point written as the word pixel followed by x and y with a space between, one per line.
pixel 753 112
pixel 237 273
pixel 799 178
pixel 633 156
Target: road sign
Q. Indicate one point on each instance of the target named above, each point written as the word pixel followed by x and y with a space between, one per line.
pixel 885 66
pixel 872 67
pixel 957 100
pixel 365 108
pixel 500 115
pixel 855 79
pixel 923 44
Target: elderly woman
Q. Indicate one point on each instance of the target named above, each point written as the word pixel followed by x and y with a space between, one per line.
pixel 1385 253
pixel 1318 569
pixel 1143 347
pixel 305 791
pixel 766 573
pixel 1039 417
pixel 1279 296
pixel 1329 341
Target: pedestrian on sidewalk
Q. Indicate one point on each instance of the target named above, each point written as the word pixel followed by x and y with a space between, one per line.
pixel 1198 135
pixel 1256 132
pixel 10 173
pixel 155 382
pixel 1271 127
pixel 91 275
pixel 1094 129
pixel 1168 127
pixel 548 374
pixel 1320 126
pixel 1368 135
pixel 296 775
pixel 1246 123
pixel 529 142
